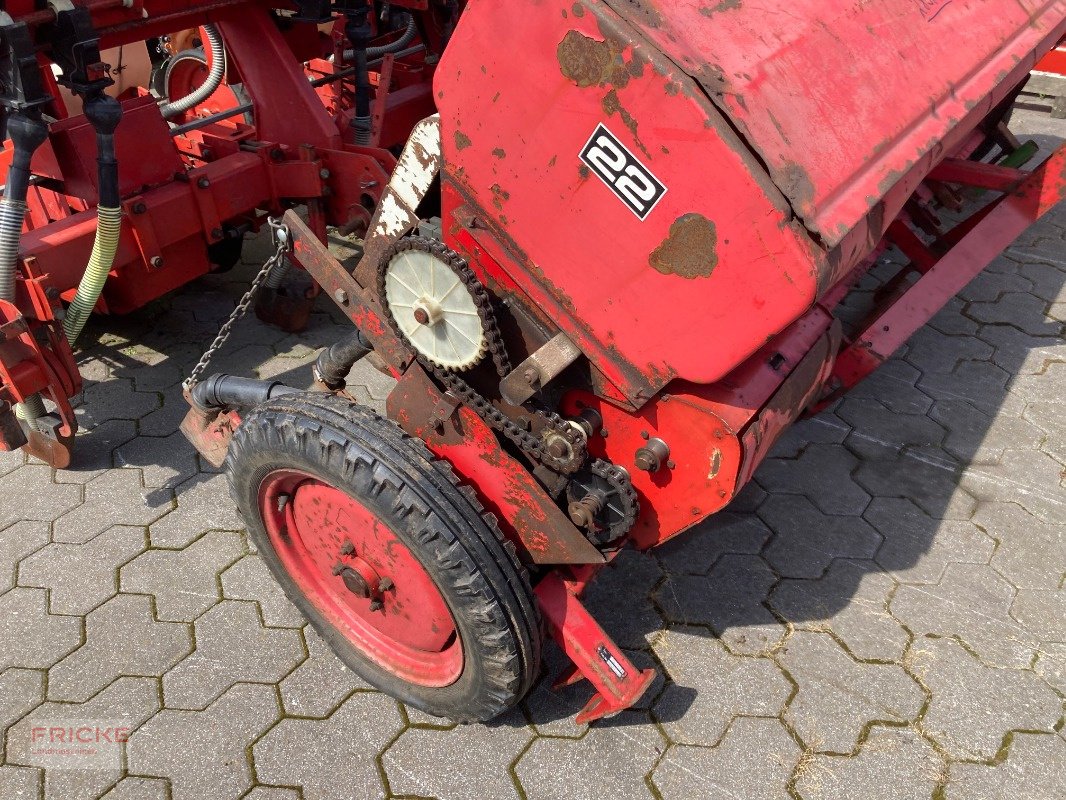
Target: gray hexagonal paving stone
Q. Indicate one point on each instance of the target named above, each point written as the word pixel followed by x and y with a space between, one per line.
pixel 1024 310
pixel 806 541
pixel 122 637
pixel 250 579
pixel 972 602
pixel 934 352
pixel 126 703
pixel 203 504
pixel 929 481
pixel 709 687
pixel 918 548
pixel 138 789
pixel 20 783
pixel 822 473
pixel 183 582
pixel 10 460
pixel 30 637
pixel 729 600
pixel 334 758
pixel 851 600
pixel 1042 612
pixel 271 793
pixel 1018 352
pixel 1032 769
pixel 31 494
pixel 21 690
pixel 609 761
pixel 1051 664
pixel 1030 478
pixel 824 428
pixel 115 498
pixel 1050 417
pixel 879 432
pixel 318 685
pixel 695 552
pixel 894 385
pixel 205 754
pixel 892 763
pixel 16 542
pixel 468 762
pixel 755 761
pixel 981 383
pixel 838 696
pixel 231 646
pixel 973 707
pixel 976 437
pixel 164 462
pixel 80 577
pixel 635 623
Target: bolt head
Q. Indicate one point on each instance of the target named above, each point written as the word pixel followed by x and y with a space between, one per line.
pixel 341 297
pixel 203 183
pixel 385 584
pixel 376 605
pixel 421 316
pixel 347 548
pixel 558 448
pixel 156 262
pixel 530 376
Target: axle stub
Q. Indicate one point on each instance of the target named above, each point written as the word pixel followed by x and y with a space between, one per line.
pixel 395 564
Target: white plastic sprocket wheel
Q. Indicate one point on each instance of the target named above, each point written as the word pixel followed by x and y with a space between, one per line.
pixel 434 310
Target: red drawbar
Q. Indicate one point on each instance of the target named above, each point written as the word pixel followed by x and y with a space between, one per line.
pixel 362 577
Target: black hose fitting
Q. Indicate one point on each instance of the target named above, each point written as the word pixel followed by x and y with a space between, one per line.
pixel 335 362
pixel 359 32
pixel 228 391
pixel 104 114
pixel 27 132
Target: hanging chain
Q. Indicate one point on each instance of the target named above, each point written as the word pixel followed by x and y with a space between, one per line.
pixel 281 238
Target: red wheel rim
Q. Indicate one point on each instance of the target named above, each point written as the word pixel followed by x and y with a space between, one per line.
pixel 361 577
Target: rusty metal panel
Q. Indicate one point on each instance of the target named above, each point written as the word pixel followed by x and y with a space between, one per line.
pixel 841 98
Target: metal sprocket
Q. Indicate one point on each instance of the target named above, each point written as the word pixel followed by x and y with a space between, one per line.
pixel 601 499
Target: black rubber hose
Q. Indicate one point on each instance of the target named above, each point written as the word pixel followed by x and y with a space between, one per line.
pixel 359 33
pixel 335 362
pixel 222 391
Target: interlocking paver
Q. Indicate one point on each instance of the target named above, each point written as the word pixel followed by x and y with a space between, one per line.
pixel 204 754
pixel 1042 612
pixel 974 436
pixel 1051 665
pixel 633 574
pixel 806 540
pixel 203 504
pixel 249 579
pixel 116 497
pixel 164 462
pixel 127 702
pixel 16 542
pixel 1050 417
pixel 231 646
pixel 138 789
pixel 1030 478
pixel 972 707
pixel 879 431
pixel 929 480
pixel 1033 768
pixel 271 793
pixel 21 690
pixel 318 685
pixel 709 687
pixel 972 601
pixel 121 638
pixel 934 352
pixel 469 762
pixel 20 783
pixel 183 582
pixel 893 763
pixel 729 600
pixel 917 548
pixel 30 494
pixel 30 637
pixel 600 764
pixel 80 577
pixel 331 759
pixel 1022 309
pixel 1018 352
pixel 838 696
pixel 754 762
pixel 981 383
pixel 851 600
pixel 694 552
pixel 822 473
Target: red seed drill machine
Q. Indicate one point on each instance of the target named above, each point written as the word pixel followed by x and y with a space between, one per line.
pixel 604 246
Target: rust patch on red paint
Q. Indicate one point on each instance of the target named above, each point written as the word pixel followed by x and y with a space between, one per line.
pixel 462 141
pixel 590 62
pixel 724 5
pixel 691 249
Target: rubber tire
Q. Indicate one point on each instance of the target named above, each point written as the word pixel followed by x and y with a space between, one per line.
pixel 419 497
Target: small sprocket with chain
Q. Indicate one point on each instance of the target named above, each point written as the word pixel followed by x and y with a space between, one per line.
pixel 602 501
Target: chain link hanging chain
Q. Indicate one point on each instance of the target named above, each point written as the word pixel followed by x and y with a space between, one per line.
pixel 280 235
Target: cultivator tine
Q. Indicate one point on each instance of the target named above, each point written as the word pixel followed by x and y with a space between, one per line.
pixel 619 684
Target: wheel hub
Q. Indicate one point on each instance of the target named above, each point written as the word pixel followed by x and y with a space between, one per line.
pixel 358 572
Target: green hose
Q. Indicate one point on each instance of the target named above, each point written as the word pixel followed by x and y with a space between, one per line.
pixel 108 228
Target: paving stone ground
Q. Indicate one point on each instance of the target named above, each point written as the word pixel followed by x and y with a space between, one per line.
pixel 880 615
